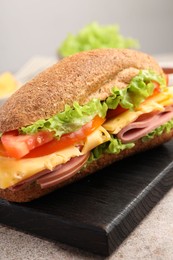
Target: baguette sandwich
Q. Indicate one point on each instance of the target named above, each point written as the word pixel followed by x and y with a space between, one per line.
pixel 80 115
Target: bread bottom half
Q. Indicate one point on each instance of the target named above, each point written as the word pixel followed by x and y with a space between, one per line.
pixel 31 191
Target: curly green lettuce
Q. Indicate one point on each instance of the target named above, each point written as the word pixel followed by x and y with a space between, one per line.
pixel 114 146
pixel 73 118
pixel 140 87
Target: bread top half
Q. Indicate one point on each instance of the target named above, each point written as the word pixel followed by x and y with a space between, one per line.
pixel 79 77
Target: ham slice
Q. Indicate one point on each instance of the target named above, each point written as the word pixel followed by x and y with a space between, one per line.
pixel 60 173
pixel 21 184
pixel 144 125
pixel 64 172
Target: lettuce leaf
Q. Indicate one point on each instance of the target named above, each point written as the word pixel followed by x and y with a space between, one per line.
pixel 73 118
pixel 114 146
pixel 95 36
pixel 140 87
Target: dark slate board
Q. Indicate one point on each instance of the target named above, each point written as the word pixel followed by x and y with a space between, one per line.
pixel 98 212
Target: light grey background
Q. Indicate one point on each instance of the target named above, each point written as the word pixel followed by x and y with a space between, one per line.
pixel 37 27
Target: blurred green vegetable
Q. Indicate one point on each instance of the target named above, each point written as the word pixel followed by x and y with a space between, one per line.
pixel 95 36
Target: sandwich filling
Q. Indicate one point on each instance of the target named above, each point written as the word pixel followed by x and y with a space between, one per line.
pixel 51 151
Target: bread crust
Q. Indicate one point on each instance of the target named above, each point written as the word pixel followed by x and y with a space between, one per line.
pixel 33 190
pixel 76 78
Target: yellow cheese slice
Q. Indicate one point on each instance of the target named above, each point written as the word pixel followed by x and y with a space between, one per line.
pixel 114 125
pixel 13 171
pixel 155 103
pixel 164 98
pixel 96 138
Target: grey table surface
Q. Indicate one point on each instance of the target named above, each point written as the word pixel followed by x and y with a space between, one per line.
pixel 152 239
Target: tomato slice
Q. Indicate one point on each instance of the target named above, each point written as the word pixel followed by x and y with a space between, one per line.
pixel 156 88
pixel 115 112
pixel 67 139
pixel 2 150
pixel 43 143
pixel 18 146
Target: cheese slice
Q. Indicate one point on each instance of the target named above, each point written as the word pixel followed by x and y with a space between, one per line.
pixel 96 138
pixel 155 103
pixel 13 171
pixel 114 125
pixel 164 98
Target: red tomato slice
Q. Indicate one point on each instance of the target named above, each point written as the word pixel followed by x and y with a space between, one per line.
pixel 43 143
pixel 67 139
pixel 18 146
pixel 115 112
pixel 2 150
pixel 156 88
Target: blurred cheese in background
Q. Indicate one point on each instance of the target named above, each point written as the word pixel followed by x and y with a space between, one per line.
pixel 8 84
pixel 94 36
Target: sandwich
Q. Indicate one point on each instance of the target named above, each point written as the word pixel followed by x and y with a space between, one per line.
pixel 80 115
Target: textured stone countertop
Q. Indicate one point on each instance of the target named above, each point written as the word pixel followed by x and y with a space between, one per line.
pixel 152 239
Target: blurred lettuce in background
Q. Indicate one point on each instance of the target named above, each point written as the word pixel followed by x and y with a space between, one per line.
pixel 95 36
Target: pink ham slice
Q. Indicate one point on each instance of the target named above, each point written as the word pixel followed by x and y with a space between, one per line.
pixel 60 173
pixel 64 172
pixel 144 125
pixel 20 184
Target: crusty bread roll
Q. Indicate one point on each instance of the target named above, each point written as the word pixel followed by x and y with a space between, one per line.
pixel 80 77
